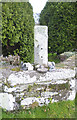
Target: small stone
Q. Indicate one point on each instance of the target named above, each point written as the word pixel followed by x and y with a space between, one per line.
pixel 26 66
pixel 60 95
pixel 53 63
pixel 37 66
pixel 42 70
pixel 51 69
pixel 29 66
pixel 23 66
pixel 51 66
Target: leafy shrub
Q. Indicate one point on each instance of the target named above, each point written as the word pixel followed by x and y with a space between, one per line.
pixel 18 30
pixel 60 17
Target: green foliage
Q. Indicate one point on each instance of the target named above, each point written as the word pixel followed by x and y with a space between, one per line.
pixel 60 17
pixel 53 57
pixel 18 29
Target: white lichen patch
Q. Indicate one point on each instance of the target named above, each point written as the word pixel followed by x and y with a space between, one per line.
pixel 72 95
pixel 7 101
pixel 20 78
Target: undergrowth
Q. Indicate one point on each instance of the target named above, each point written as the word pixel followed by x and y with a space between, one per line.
pixel 53 57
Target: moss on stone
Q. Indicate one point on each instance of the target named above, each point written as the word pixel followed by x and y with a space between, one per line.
pixel 59 87
pixel 34 84
pixel 29 88
pixel 16 69
pixel 8 84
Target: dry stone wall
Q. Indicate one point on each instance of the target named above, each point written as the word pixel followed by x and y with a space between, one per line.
pixel 23 89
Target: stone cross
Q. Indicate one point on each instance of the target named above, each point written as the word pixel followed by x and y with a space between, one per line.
pixel 41 45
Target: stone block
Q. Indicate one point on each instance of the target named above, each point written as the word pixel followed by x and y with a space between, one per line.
pixel 7 101
pixel 26 66
pixel 41 45
pixel 29 66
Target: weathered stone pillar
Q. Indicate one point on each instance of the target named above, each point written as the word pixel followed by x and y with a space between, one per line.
pixel 41 45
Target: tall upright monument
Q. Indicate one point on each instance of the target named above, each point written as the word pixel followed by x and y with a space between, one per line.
pixel 41 45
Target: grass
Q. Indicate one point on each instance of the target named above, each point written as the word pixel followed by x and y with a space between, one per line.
pixel 0 113
pixel 63 109
pixel 76 106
